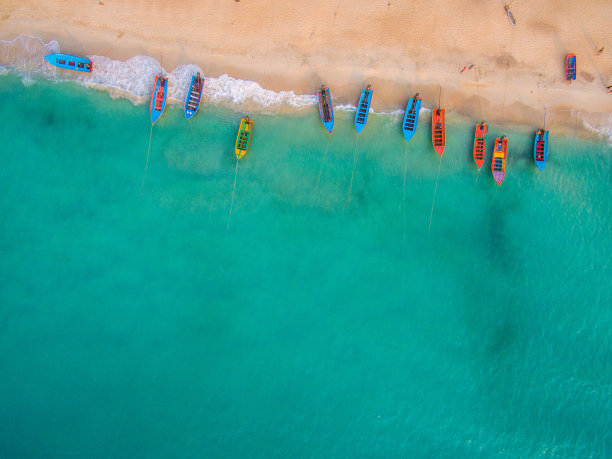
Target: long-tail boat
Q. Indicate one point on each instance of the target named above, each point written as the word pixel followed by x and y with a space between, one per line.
pixel 570 67
pixel 244 136
pixel 361 117
pixel 498 165
pixel 480 143
pixel 438 135
pixel 411 117
pixel 540 148
pixel 69 62
pixel 158 98
pixel 325 107
pixel 192 103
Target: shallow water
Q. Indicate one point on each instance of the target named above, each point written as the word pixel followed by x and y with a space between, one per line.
pixel 135 324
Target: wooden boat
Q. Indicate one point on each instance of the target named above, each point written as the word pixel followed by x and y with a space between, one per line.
pixel 570 67
pixel 69 62
pixel 411 117
pixel 438 135
pixel 158 98
pixel 480 143
pixel 510 15
pixel 498 165
pixel 361 117
pixel 244 136
pixel 325 107
pixel 540 148
pixel 192 103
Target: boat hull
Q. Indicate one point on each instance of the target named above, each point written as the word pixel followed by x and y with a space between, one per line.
pixel 326 110
pixel 438 135
pixel 570 67
pixel 363 109
pixel 158 98
pixel 540 149
pixel 411 117
pixel 69 62
pixel 194 96
pixel 243 138
pixel 480 143
pixel 498 164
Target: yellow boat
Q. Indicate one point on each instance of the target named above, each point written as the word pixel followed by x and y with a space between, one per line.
pixel 243 137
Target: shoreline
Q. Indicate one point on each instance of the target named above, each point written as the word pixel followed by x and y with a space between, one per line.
pixel 511 83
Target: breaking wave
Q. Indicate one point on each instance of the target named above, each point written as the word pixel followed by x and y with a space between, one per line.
pixel 134 80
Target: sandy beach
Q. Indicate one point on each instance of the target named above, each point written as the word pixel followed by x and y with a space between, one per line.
pixel 398 47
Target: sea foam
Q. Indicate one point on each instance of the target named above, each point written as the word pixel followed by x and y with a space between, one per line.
pixel 134 79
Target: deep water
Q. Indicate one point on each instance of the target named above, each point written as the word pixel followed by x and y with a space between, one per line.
pixel 133 323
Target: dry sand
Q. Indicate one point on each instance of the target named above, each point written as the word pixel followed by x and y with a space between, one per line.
pixel 400 47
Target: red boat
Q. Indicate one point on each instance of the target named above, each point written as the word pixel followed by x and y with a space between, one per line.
pixel 480 143
pixel 438 136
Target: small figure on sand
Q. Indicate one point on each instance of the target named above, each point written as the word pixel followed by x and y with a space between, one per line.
pixel 463 69
pixel 470 67
pixel 609 88
pixel 601 50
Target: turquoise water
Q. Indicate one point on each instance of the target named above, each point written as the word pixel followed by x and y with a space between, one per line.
pixel 133 323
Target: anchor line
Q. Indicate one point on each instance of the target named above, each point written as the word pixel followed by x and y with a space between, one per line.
pixel 353 172
pixel 322 165
pixel 433 202
pixel 147 163
pixel 404 195
pixel 478 93
pixel 233 192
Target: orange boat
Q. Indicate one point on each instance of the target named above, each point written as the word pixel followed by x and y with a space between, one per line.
pixel 480 143
pixel 437 130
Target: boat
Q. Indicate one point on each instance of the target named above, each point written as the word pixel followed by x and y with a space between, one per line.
pixel 69 62
pixel 570 67
pixel 510 15
pixel 498 165
pixel 438 135
pixel 411 117
pixel 480 143
pixel 192 103
pixel 158 98
pixel 243 137
pixel 361 117
pixel 325 107
pixel 540 148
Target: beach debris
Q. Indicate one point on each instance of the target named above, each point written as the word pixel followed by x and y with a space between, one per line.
pixel 510 15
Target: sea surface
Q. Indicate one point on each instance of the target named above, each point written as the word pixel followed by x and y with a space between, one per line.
pixel 338 313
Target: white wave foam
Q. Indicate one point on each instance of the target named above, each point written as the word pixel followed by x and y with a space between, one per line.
pixel 226 89
pixel 601 126
pixel 136 76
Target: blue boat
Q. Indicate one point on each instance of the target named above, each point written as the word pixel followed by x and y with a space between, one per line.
pixel 325 107
pixel 158 98
pixel 540 148
pixel 361 117
pixel 570 67
pixel 411 118
pixel 192 103
pixel 69 62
